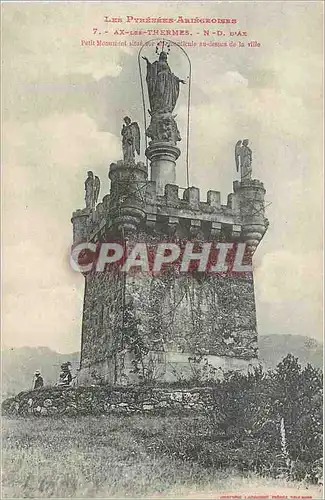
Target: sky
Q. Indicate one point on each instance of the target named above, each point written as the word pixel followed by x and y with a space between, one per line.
pixel 63 106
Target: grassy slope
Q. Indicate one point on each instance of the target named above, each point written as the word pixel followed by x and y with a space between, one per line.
pixel 95 457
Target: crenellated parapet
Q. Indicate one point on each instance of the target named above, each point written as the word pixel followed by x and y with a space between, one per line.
pixel 241 219
pixel 134 205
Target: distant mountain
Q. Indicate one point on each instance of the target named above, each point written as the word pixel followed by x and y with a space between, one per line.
pixel 273 348
pixel 19 364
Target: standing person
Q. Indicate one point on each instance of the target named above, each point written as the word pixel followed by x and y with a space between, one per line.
pixel 39 382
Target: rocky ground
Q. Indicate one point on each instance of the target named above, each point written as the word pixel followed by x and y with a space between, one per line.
pixel 99 400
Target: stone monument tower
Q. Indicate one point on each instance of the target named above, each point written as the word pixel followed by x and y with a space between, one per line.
pixel 144 326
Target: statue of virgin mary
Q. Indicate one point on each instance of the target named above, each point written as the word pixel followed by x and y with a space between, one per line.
pixel 163 85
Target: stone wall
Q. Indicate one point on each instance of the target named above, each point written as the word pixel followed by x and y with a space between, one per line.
pixel 102 321
pixel 196 316
pixel 200 315
pixel 101 400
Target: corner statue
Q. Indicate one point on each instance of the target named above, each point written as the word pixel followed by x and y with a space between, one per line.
pixel 243 158
pixel 130 140
pixel 92 188
pixel 163 85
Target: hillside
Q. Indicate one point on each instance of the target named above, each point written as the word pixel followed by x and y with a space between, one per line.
pixel 19 364
pixel 273 348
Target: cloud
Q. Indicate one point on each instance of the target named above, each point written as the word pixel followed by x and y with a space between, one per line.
pixel 289 292
pixel 30 33
pixel 40 195
pixel 40 317
pixel 54 153
pixel 284 276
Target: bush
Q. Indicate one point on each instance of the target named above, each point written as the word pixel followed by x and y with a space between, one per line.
pixel 270 423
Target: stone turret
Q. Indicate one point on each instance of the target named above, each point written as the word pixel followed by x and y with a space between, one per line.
pixel 251 194
pixel 127 196
pixel 80 220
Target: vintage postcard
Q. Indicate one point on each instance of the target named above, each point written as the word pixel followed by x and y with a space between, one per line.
pixel 162 249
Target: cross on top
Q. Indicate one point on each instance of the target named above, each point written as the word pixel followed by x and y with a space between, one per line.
pixel 162 46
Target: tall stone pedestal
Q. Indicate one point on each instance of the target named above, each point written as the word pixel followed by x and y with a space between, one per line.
pixel 181 323
pixel 177 324
pixel 162 156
